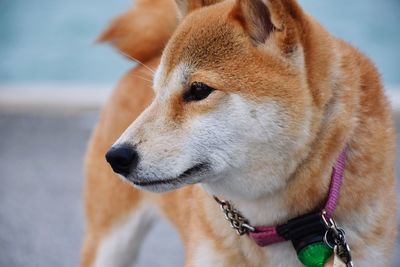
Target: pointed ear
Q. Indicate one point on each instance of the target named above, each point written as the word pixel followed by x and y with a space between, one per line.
pixel 255 18
pixel 187 6
pixel 261 18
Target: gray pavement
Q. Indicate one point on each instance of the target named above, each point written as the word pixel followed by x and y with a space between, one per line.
pixel 41 215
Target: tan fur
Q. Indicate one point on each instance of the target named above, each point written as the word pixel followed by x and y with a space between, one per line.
pixel 340 86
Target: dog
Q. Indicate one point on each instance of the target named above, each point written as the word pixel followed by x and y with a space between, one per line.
pixel 251 101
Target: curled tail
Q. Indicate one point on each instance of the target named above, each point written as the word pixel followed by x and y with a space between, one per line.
pixel 143 31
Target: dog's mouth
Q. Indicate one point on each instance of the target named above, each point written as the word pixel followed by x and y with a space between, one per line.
pixel 182 178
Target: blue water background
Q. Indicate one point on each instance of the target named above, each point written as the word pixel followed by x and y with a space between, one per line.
pixel 52 40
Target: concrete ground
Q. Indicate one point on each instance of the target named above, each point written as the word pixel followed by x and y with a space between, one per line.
pixel 41 215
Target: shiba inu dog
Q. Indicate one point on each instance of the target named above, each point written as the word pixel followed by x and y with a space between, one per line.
pixel 253 102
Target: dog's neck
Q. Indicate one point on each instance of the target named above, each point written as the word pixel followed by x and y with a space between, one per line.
pixel 280 206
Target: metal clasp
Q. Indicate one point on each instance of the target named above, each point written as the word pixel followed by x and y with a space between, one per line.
pixel 335 238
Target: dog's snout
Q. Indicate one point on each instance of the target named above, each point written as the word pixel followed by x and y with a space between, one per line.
pixel 123 159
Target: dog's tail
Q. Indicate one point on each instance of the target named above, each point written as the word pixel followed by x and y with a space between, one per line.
pixel 142 32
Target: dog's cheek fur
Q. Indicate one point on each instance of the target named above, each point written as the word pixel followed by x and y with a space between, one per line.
pixel 243 137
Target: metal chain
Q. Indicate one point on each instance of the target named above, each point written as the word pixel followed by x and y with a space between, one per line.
pixel 235 218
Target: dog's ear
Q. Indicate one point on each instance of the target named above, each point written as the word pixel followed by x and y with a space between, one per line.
pixel 187 6
pixel 259 18
pixel 255 18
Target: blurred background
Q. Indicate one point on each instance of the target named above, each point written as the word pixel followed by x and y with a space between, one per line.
pixel 53 81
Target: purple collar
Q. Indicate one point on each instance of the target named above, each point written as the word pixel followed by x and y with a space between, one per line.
pixel 268 235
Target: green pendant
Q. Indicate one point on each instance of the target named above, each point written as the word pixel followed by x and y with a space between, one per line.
pixel 315 255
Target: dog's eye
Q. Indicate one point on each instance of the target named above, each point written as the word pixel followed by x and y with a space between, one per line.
pixel 197 91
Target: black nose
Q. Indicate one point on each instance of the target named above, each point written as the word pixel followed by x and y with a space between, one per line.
pixel 123 159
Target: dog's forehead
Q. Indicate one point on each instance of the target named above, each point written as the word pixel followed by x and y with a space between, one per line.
pixel 203 41
pixel 201 44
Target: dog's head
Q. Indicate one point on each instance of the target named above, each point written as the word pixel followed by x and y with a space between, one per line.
pixel 233 108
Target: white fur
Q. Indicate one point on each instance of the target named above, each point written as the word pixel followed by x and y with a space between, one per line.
pixel 261 152
pixel 205 255
pixel 120 247
pixel 282 255
pixel 166 86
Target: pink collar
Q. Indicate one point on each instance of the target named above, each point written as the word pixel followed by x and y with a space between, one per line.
pixel 268 235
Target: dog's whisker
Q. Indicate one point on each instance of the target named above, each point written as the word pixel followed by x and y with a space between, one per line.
pixel 138 61
pixel 142 78
pixel 150 75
